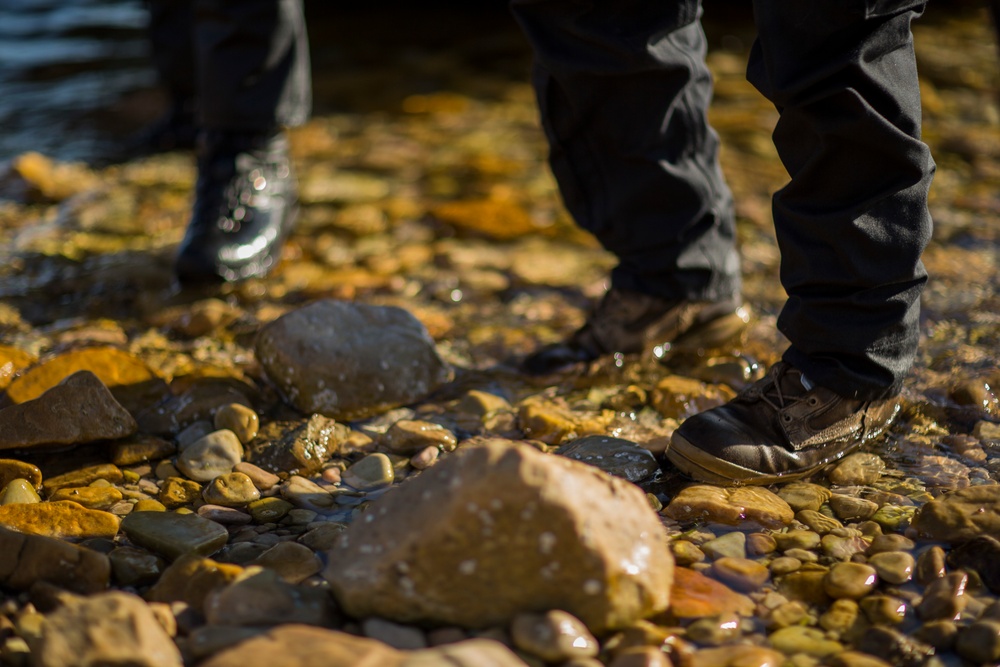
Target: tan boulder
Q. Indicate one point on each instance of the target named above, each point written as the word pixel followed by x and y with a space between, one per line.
pixel 112 628
pixel 78 410
pixel 349 361
pixel 500 528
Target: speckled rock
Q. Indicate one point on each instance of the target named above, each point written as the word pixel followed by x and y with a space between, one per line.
pixel 27 559
pixel 615 456
pixel 554 636
pixel 78 410
pixel 210 456
pixel 63 519
pixel 330 357
pixel 112 628
pixel 960 515
pixel 173 535
pixel 298 448
pixel 737 506
pixel 481 504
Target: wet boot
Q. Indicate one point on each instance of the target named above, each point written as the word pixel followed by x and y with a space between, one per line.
pixel 245 207
pixel 631 322
pixel 780 428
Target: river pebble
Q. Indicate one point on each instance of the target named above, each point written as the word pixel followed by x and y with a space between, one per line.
pixel 374 471
pixel 553 636
pixel 741 574
pixel 233 489
pixel 19 491
pixel 894 567
pixel 238 418
pixel 850 580
pixel 857 469
pixel 210 456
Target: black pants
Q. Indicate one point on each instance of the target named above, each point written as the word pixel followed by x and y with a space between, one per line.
pixel 242 64
pixel 623 90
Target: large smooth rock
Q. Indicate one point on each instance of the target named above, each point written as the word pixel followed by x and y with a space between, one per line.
pixel 961 515
pixel 350 361
pixel 112 628
pixel 26 559
pixel 78 410
pixel 500 528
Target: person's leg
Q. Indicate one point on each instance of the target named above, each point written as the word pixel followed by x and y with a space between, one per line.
pixel 851 226
pixel 623 91
pixel 253 78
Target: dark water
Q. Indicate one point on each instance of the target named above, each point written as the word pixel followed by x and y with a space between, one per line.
pixel 63 63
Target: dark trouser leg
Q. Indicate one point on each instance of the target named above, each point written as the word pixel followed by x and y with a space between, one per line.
pixel 253 64
pixel 171 28
pixel 853 221
pixel 623 90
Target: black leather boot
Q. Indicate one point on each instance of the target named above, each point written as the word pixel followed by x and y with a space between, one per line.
pixel 245 207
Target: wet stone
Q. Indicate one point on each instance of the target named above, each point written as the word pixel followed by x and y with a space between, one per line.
pixel 226 516
pixel 858 469
pixel 19 491
pixel 843 547
pixel 760 544
pixel 788 614
pixel 740 506
pixel 11 469
pixel 855 659
pixel 892 518
pixel 409 436
pixel 197 402
pixel 261 478
pixel 883 609
pixel 172 535
pixel 303 645
pixel 636 656
pixel 807 586
pixel 61 519
pixel 819 523
pixel 306 494
pixel 91 497
pixel 27 559
pixel 982 556
pixel 402 637
pixel 804 495
pixel 192 433
pixel 960 515
pixel 323 537
pixel 741 574
pixel 714 631
pixel 686 553
pixel 210 456
pixel 811 641
pixel 374 471
pixel 694 595
pixel 269 510
pixel 425 458
pixel 894 647
pixel 729 545
pixel 554 636
pixel 852 508
pixel 190 579
pixel 893 542
pixel 939 634
pixel 944 598
pixel 850 580
pixel 615 456
pixel 784 565
pixel 135 567
pixel 797 539
pixel 232 489
pixel 293 562
pixel 149 505
pixel 979 643
pixel 894 567
pixel 840 617
pixel 239 419
pixel 737 656
pixel 930 565
pixel 259 597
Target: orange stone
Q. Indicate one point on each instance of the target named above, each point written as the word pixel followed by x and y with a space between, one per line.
pixel 12 361
pixel 63 519
pixel 694 595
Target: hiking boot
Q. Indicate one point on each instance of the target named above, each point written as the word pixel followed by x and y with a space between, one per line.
pixel 244 209
pixel 630 322
pixel 780 428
